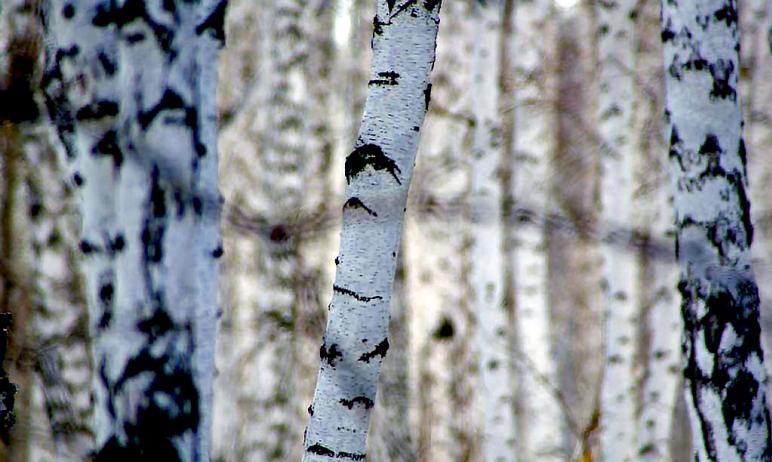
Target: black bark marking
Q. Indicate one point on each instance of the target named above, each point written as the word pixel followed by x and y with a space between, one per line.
pixel 372 155
pixel 330 355
pixel 86 247
pixel 154 226
pixel 379 350
pixel 366 402
pixel 109 65
pixel 355 202
pixel 320 450
pixel 349 455
pixel 135 38
pixel 430 5
pixel 8 389
pixel 728 14
pixel 172 101
pixel 385 78
pixel 68 11
pixel 77 179
pixel 118 244
pixel 278 233
pixel 427 96
pixel 218 251
pixel 311 409
pixel 351 293
pixel 106 294
pixel 110 13
pixel 97 110
pixel 108 145
pixel 445 330
pixel 337 261
pixel 391 4
pixel 215 23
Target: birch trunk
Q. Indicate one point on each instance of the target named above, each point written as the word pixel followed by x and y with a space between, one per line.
pixel 660 323
pixel 378 174
pixel 441 319
pixel 615 116
pixel 142 148
pixel 493 328
pixel 541 424
pixel 723 360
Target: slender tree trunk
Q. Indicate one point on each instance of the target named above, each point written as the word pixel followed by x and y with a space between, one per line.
pixel 615 116
pixel 493 328
pixel 660 329
pixel 378 174
pixel 723 360
pixel 542 422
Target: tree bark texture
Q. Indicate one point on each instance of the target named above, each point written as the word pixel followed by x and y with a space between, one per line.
pixel 615 118
pixel 723 361
pixel 378 174
pixel 128 80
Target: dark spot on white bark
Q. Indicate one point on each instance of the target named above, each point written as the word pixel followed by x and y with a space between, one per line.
pixel 311 409
pixel 218 251
pixel 278 233
pixel 68 11
pixel 337 260
pixel 77 179
pixel 118 243
pixel 214 23
pixel 355 202
pixel 379 350
pixel 86 247
pixel 366 402
pixel 108 64
pixel 372 155
pixel 108 145
pixel 727 13
pixel 445 330
pixel 351 293
pixel 331 354
pixel 427 95
pixel 385 78
pixel 135 38
pixel 320 450
pixel 154 225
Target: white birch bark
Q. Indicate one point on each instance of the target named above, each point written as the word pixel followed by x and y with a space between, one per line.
pixel 541 420
pixel 378 174
pixel 81 84
pixel 723 360
pixel 660 322
pixel 493 328
pixel 442 414
pixel 147 264
pixel 615 117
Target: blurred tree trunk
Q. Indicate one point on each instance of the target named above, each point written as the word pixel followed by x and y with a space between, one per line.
pixel 541 420
pixel 616 112
pixel 378 174
pixel 437 262
pixel 723 360
pixel 493 323
pixel 142 156
pixel 660 327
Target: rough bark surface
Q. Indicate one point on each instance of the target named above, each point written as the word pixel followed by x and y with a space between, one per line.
pixel 131 102
pixel 378 173
pixel 723 361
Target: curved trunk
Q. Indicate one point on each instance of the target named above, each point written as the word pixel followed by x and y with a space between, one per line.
pixel 723 360
pixel 378 174
pixel 615 118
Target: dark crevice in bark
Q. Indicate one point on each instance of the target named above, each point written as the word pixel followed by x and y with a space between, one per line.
pixel 355 202
pixel 366 402
pixel 214 23
pixel 351 293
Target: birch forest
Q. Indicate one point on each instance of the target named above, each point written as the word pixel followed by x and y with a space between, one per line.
pixel 385 230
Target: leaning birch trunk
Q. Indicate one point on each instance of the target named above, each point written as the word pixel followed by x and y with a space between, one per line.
pixel 84 114
pixel 723 361
pixel 493 327
pixel 542 423
pixel 378 174
pixel 615 115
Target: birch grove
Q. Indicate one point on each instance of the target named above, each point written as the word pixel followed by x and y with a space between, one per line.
pixel 483 241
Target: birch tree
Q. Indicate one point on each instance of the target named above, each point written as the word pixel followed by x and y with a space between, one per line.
pixel 723 361
pixel 120 79
pixel 378 174
pixel 615 117
pixel 493 324
pixel 541 419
